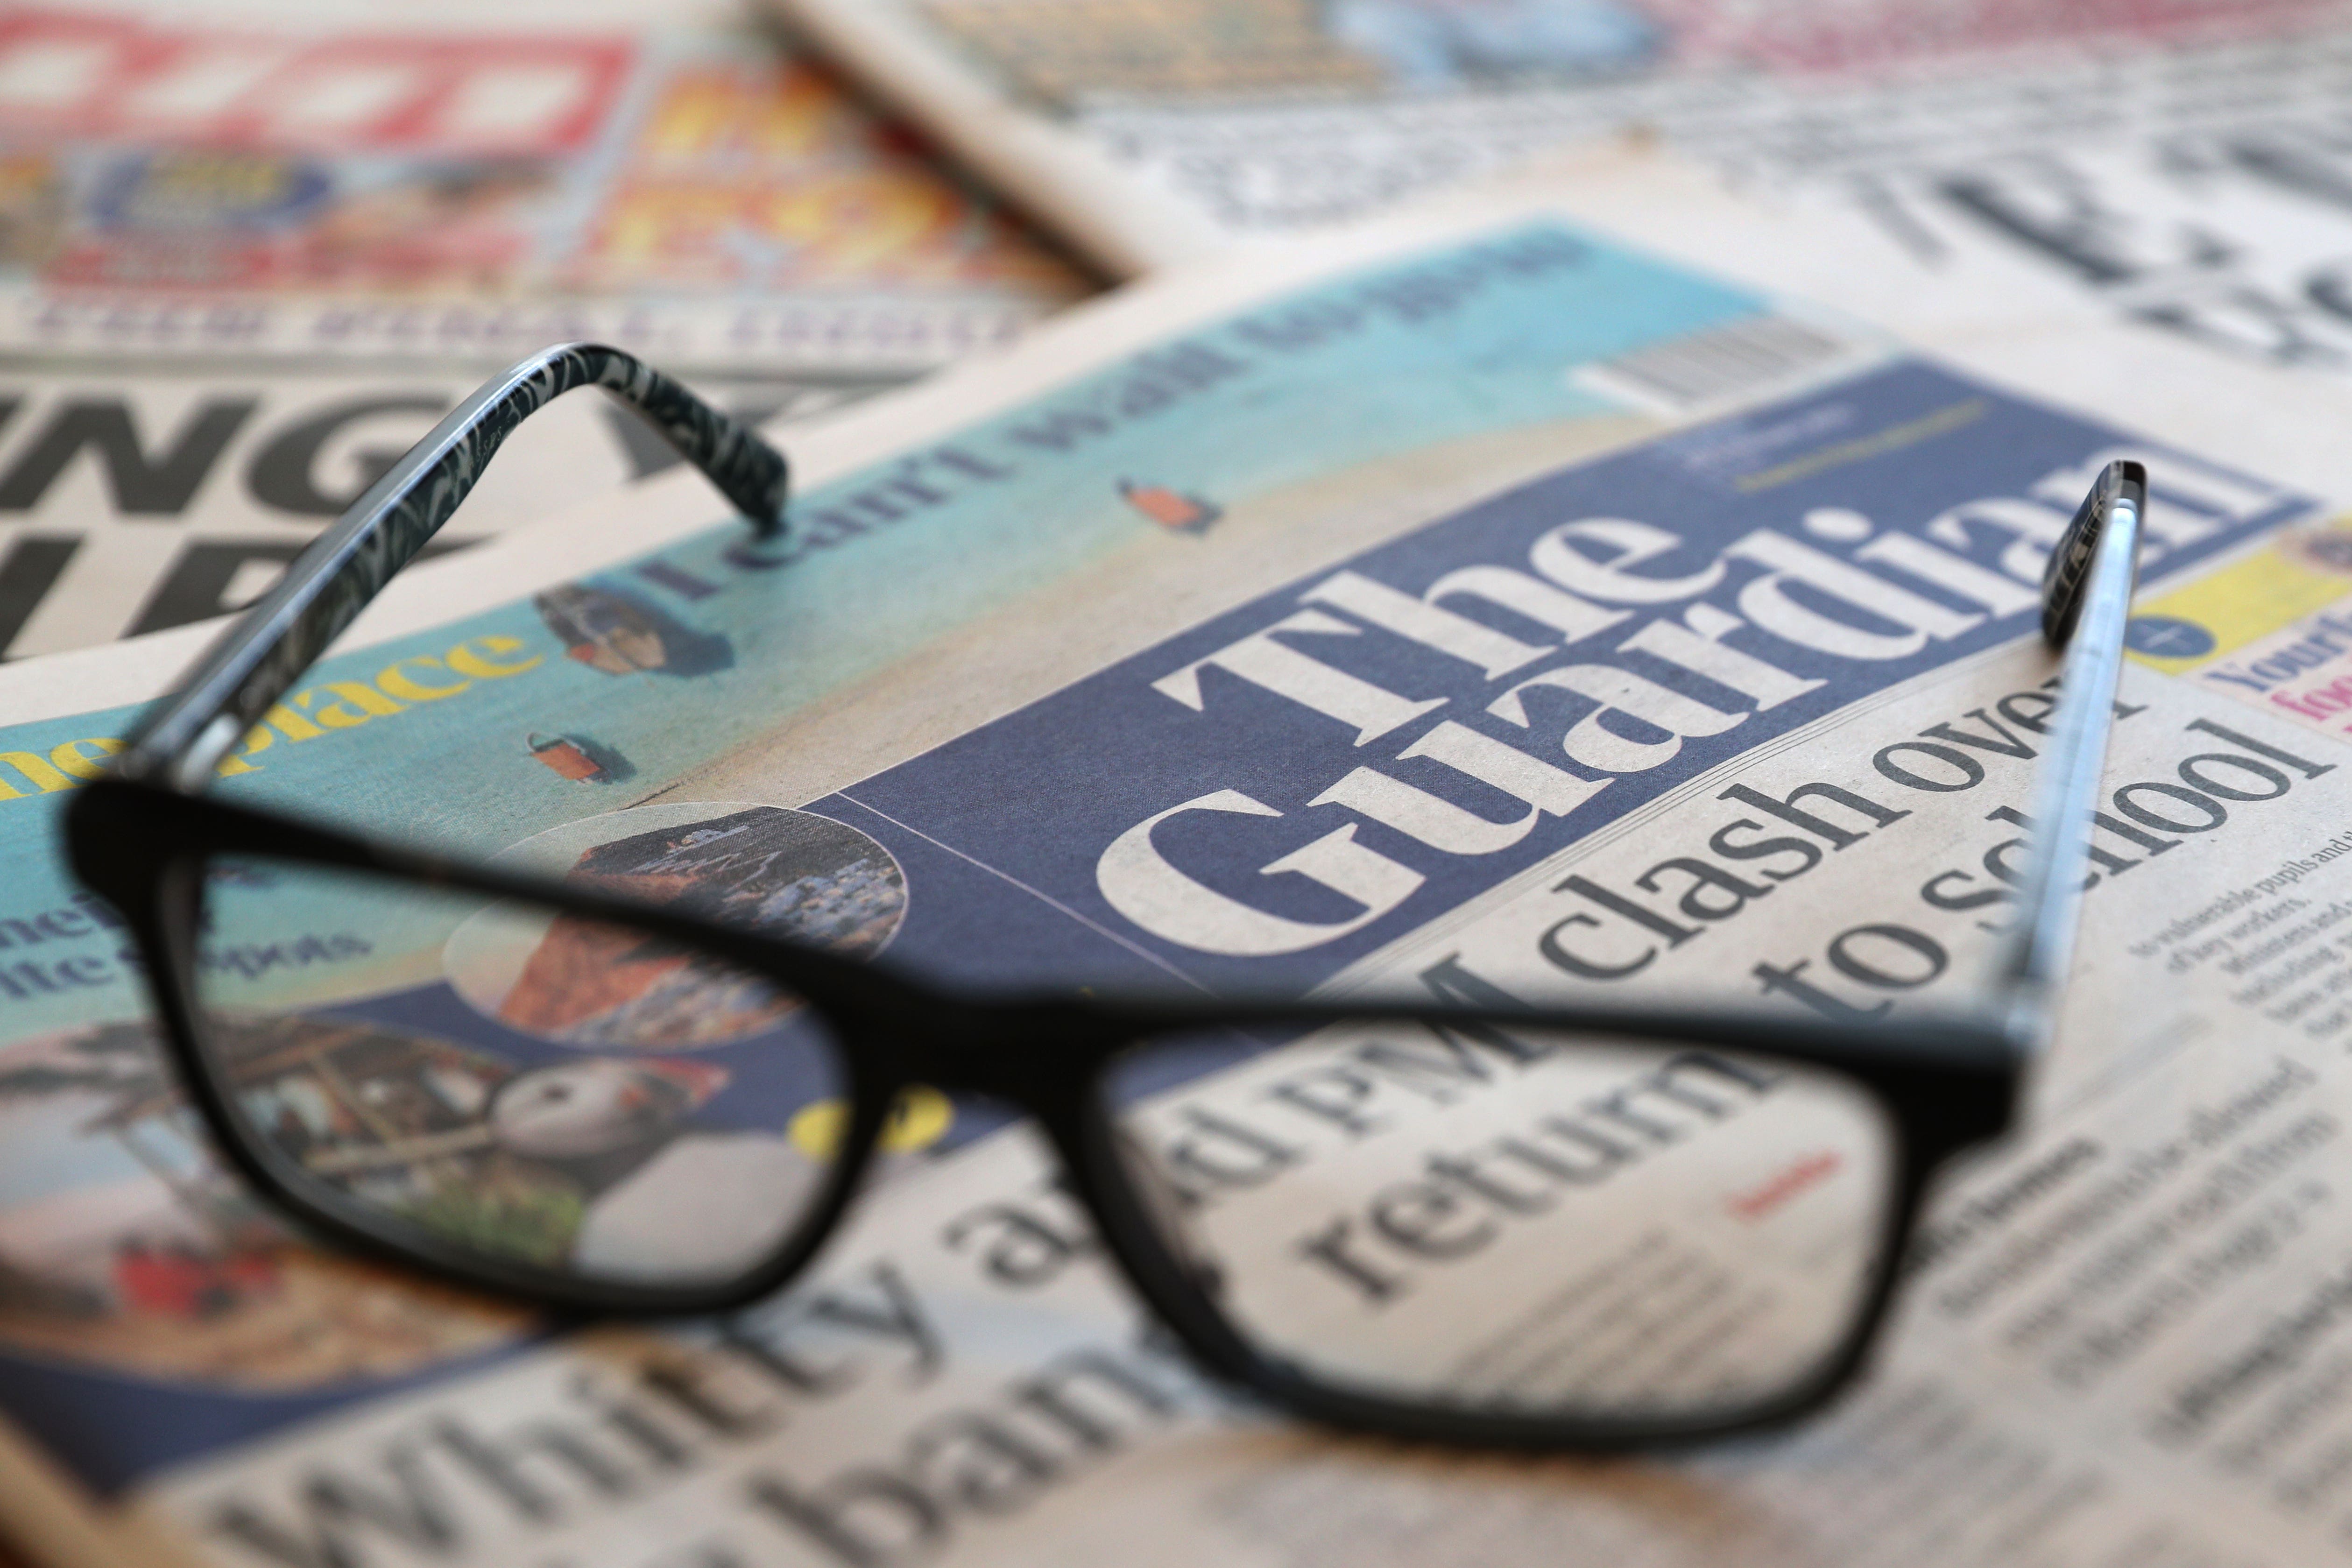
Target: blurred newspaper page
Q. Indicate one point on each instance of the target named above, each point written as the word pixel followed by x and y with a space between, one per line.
pixel 278 186
pixel 1002 665
pixel 244 261
pixel 2181 166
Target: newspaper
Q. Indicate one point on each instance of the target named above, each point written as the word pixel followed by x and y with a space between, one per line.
pixel 132 500
pixel 247 259
pixel 1009 640
pixel 438 189
pixel 2180 167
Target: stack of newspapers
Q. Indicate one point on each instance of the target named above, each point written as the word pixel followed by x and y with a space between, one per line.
pixel 1808 324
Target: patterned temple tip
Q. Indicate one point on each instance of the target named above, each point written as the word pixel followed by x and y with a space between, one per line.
pixel 184 736
pixel 2069 572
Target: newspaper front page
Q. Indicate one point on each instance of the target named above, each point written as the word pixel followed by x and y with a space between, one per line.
pixel 1065 653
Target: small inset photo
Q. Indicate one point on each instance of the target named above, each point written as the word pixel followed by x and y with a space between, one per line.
pixel 601 985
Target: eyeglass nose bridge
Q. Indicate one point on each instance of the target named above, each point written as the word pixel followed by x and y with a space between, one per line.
pixel 1036 1060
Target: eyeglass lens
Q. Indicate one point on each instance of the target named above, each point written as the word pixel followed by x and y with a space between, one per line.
pixel 1530 1222
pixel 497 1083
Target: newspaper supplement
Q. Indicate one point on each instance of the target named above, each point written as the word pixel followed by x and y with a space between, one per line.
pixel 444 190
pixel 1654 683
pixel 2099 1355
pixel 134 502
pixel 2180 169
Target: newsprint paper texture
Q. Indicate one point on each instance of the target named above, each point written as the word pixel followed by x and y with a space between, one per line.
pixel 1063 655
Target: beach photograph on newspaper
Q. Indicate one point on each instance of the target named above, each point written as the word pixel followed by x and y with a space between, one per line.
pixel 1504 620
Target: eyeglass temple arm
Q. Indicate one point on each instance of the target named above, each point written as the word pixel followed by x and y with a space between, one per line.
pixel 182 739
pixel 2087 596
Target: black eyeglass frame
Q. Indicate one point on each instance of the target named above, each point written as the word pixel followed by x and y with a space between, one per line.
pixel 142 835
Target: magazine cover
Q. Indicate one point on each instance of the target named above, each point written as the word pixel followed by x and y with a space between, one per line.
pixel 1068 666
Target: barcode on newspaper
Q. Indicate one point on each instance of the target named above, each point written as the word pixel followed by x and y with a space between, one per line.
pixel 1719 363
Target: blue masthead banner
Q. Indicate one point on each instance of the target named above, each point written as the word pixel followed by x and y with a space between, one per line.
pixel 1258 803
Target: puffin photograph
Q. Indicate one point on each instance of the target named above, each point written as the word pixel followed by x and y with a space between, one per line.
pixel 663 1203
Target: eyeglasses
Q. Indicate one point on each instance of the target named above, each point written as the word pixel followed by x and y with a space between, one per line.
pixel 650 1085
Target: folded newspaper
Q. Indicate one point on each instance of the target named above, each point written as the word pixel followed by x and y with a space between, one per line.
pixel 1069 663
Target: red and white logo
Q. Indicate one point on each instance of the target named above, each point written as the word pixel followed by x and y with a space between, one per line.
pixel 116 77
